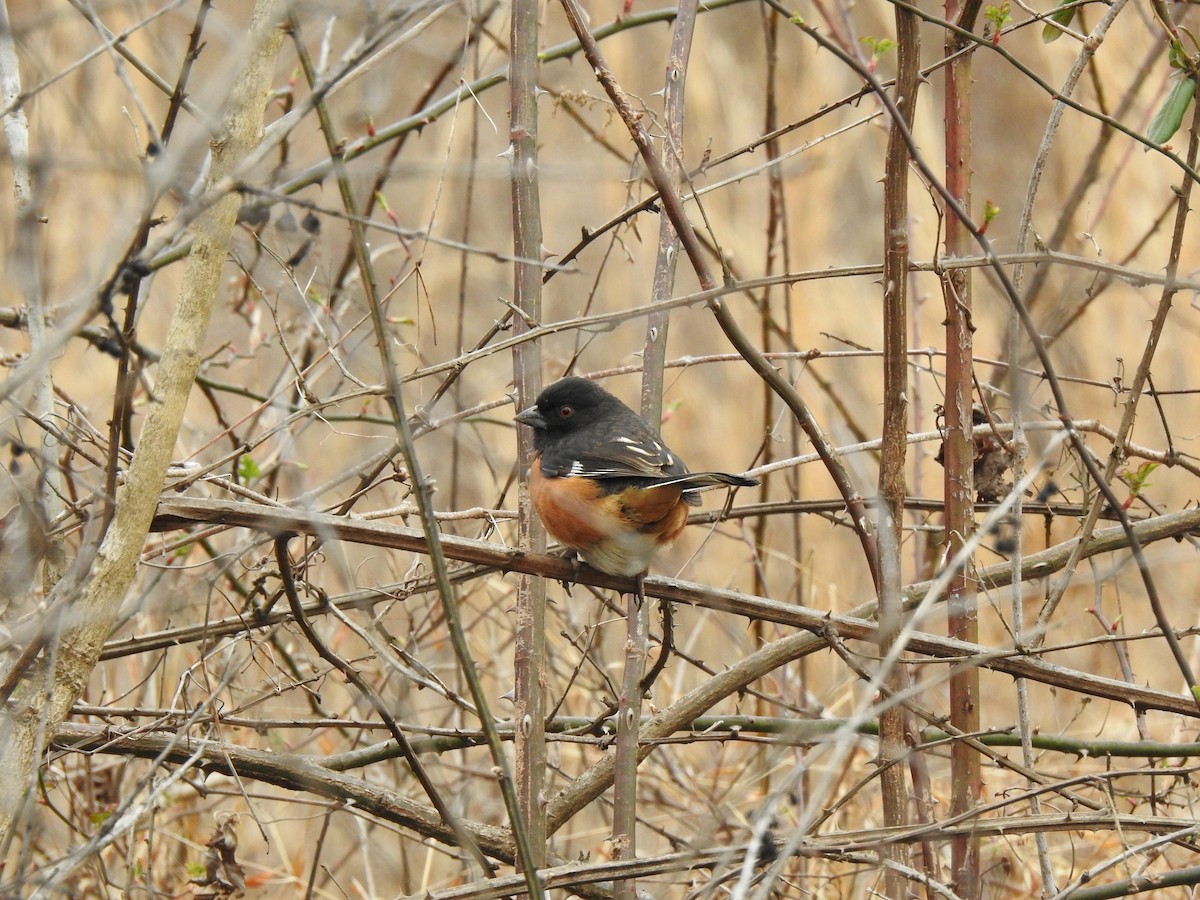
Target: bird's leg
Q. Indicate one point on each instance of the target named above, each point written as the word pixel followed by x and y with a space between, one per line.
pixel 573 557
pixel 640 591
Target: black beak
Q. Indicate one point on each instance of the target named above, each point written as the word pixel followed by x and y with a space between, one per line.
pixel 531 417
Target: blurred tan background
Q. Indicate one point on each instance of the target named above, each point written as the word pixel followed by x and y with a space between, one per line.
pixel 448 189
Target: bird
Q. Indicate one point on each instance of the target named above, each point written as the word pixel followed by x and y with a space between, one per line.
pixel 603 482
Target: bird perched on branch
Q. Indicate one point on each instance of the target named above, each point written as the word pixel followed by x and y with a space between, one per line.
pixel 602 480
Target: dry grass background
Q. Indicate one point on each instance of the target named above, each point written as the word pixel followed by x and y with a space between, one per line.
pixel 448 189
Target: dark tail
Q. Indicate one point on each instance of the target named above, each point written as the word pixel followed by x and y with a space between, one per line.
pixel 693 480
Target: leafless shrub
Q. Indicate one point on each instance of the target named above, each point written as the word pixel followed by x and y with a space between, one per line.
pixel 277 618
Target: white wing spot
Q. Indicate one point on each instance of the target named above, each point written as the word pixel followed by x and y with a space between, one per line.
pixel 636 446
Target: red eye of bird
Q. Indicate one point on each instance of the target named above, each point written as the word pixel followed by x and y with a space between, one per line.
pixel 565 412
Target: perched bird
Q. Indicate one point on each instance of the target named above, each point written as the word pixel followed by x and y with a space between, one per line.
pixel 603 482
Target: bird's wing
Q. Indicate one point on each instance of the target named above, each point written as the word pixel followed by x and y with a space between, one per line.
pixel 620 457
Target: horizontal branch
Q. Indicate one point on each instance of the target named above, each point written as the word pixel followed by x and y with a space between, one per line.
pixel 296 773
pixel 788 731
pixel 184 512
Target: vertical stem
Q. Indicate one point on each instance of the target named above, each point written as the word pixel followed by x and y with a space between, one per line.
pixel 530 637
pixel 654 357
pixel 776 260
pixel 962 620
pixel 629 705
pixel 892 486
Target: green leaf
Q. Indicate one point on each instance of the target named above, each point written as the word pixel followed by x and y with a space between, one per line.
pixel 1138 480
pixel 1177 56
pixel 1064 17
pixel 1170 115
pixel 998 15
pixel 878 46
pixel 248 468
